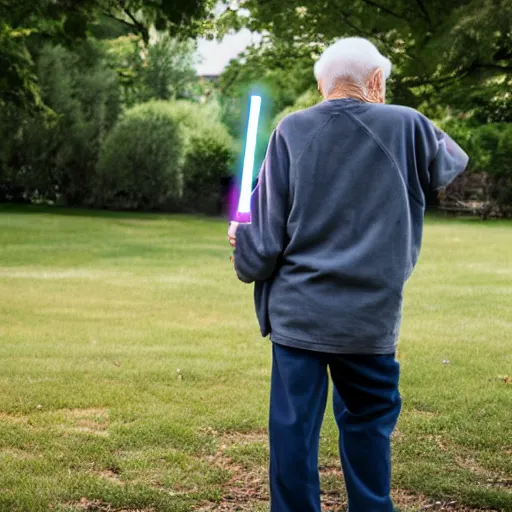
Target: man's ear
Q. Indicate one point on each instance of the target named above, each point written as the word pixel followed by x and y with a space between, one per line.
pixel 376 86
pixel 320 87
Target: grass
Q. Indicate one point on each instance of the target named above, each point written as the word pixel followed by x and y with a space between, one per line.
pixel 98 311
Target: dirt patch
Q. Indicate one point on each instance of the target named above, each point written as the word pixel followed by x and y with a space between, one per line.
pixel 491 478
pixel 90 421
pixel 244 491
pixel 247 490
pixel 16 453
pixel 110 475
pixel 13 419
pixel 100 506
pixel 245 438
pixel 424 413
pixel 397 435
pixel 332 495
pixel 418 503
pixel 471 465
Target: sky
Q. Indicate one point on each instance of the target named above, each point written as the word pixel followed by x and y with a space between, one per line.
pixel 213 56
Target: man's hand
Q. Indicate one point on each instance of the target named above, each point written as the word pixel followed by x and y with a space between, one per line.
pixel 233 226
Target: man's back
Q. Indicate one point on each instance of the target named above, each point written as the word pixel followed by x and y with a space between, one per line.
pixel 357 177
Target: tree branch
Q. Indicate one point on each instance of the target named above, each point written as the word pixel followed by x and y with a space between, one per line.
pixel 457 75
pixel 361 31
pixel 136 26
pixel 142 29
pixel 230 83
pixel 495 67
pixel 352 25
pixel 423 9
pixel 124 22
pixel 418 81
pixel 383 9
pixel 503 53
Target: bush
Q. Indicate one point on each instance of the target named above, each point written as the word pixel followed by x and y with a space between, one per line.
pixel 208 155
pixel 182 146
pixel 490 150
pixel 140 165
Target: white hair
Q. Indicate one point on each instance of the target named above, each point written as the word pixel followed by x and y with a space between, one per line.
pixel 352 58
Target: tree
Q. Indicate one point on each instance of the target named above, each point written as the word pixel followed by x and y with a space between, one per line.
pixel 24 26
pixel 162 69
pixel 52 156
pixel 459 51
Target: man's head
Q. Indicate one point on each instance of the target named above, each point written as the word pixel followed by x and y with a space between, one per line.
pixel 353 66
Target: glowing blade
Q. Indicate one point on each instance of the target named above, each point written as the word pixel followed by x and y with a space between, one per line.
pixel 244 204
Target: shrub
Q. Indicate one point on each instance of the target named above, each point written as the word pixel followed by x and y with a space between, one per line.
pixel 208 155
pixel 490 150
pixel 140 165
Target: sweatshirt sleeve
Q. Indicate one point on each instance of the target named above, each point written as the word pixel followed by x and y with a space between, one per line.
pixel 445 158
pixel 260 243
pixel 449 161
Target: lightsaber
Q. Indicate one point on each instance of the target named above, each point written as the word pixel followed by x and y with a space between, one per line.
pixel 243 213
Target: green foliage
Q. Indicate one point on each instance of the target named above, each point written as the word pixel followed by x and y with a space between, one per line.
pixel 162 69
pixel 450 51
pixel 449 58
pixel 25 26
pixel 281 72
pixel 167 155
pixel 18 84
pixel 308 99
pixel 490 150
pixel 208 154
pixel 490 146
pixel 177 17
pixel 53 157
pixel 168 69
pixel 141 160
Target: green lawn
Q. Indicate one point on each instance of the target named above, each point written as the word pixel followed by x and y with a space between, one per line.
pixel 99 311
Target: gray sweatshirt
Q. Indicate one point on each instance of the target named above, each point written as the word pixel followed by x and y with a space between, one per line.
pixel 337 221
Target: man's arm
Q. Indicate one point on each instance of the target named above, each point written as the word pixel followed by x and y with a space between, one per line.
pixel 259 244
pixel 445 158
pixel 449 161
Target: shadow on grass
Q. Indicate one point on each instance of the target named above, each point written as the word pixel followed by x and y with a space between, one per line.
pixel 99 213
pixel 432 216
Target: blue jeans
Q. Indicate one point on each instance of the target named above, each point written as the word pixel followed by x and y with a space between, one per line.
pixel 366 406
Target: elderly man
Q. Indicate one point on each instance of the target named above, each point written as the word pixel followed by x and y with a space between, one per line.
pixel 337 219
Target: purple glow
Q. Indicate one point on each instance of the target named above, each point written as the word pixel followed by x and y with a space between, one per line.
pixel 243 217
pixel 233 198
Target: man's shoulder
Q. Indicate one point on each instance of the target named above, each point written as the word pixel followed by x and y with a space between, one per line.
pixel 386 118
pixel 302 121
pixel 321 110
pixel 391 111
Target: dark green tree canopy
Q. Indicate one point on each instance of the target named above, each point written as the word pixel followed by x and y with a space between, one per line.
pixel 25 26
pixel 460 48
